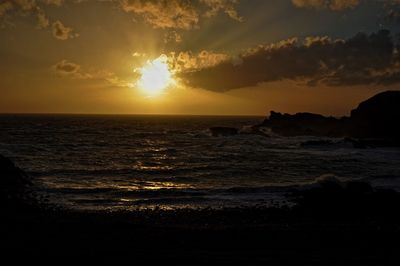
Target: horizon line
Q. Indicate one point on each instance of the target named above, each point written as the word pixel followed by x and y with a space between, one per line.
pixel 129 114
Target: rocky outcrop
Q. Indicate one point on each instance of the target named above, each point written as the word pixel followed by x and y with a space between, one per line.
pixel 305 124
pixel 12 177
pixel 377 119
pixel 15 185
pixel 332 198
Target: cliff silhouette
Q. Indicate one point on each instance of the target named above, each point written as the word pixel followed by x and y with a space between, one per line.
pixel 374 119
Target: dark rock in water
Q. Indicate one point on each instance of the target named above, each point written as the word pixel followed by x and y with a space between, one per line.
pixel 223 131
pixel 378 117
pixel 375 122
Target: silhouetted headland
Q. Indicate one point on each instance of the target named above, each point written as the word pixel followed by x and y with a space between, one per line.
pixel 375 122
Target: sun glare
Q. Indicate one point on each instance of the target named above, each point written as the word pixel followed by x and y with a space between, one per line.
pixel 155 76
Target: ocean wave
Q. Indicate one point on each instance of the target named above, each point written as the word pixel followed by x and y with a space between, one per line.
pixel 139 158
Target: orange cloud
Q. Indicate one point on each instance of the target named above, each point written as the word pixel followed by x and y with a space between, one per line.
pixel 178 14
pixel 187 61
pixel 62 32
pixel 66 68
pixel 69 69
pixel 164 14
pixel 227 6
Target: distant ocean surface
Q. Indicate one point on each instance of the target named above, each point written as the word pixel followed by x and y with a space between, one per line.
pixel 134 162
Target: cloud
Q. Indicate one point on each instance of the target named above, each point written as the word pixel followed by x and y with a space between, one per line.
pixel 336 5
pixel 62 32
pixel 67 69
pixel 187 61
pixel 339 5
pixel 179 14
pixel 362 59
pixel 17 7
pixel 5 7
pixel 53 2
pixel 227 6
pixel 392 9
pixel 43 21
pixel 12 8
pixel 172 36
pixel 165 14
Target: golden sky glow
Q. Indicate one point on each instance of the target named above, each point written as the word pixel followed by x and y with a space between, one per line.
pixel 196 57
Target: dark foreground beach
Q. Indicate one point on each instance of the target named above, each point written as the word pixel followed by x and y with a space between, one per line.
pixel 330 224
pixel 227 236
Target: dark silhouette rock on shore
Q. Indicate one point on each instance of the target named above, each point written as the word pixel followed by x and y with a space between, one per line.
pixel 14 185
pixel 378 117
pixel 376 121
pixel 12 177
pixel 333 199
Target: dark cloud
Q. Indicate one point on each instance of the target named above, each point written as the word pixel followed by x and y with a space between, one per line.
pixel 362 59
pixel 338 5
pixel 335 5
pixel 392 9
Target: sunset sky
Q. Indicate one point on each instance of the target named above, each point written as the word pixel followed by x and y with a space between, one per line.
pixel 221 57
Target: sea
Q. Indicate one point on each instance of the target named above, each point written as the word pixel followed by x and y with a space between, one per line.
pixel 131 162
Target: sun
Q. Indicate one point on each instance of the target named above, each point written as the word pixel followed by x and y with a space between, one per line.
pixel 155 76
